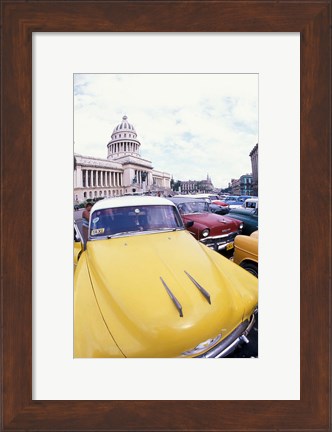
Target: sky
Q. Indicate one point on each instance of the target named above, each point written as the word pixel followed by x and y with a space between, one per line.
pixel 189 125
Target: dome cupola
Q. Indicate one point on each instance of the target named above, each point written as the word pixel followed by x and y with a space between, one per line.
pixel 123 140
pixel 124 127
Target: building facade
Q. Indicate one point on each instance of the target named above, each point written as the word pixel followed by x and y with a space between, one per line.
pixel 254 166
pixel 242 186
pixel 246 184
pixel 235 187
pixel 196 186
pixel 123 172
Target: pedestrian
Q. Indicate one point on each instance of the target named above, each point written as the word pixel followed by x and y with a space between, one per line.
pixel 86 219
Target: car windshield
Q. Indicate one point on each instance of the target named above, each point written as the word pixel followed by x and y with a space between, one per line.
pixel 133 219
pixel 193 207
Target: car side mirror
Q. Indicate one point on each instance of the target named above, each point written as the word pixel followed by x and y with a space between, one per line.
pixel 189 224
pixel 78 240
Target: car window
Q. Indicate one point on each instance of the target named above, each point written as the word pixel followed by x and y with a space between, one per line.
pixel 194 206
pixel 118 220
pixel 250 204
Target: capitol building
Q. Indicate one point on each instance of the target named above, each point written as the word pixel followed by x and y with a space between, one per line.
pixel 123 172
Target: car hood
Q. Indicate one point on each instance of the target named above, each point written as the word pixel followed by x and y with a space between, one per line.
pixel 144 283
pixel 215 222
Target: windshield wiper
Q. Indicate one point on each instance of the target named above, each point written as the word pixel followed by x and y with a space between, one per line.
pixel 143 231
pixel 162 229
pixel 122 233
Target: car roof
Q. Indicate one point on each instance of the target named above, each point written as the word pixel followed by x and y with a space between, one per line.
pixel 178 200
pixel 203 195
pixel 251 200
pixel 133 200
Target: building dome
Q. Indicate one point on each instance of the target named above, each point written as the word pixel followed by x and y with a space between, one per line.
pixel 123 141
pixel 124 127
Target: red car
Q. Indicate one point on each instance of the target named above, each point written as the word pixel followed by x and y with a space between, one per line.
pixel 215 231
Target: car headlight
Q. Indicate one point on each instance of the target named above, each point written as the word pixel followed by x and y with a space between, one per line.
pixel 203 346
pixel 205 232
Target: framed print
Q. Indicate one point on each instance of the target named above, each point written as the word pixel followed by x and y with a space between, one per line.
pixel 21 23
pixel 51 296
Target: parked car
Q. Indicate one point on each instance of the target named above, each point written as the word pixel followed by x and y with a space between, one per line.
pixel 248 217
pixel 215 231
pixel 219 209
pixel 246 252
pixel 209 196
pixel 236 201
pixel 144 287
pixel 250 204
pixel 216 204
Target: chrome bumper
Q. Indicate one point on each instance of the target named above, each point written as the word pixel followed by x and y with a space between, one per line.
pixel 232 341
pixel 218 243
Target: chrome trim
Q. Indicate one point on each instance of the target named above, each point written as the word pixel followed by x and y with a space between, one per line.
pixel 172 296
pixel 232 234
pixel 199 287
pixel 223 245
pixel 218 237
pixel 231 342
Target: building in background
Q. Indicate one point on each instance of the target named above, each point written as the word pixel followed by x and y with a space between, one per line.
pixel 242 186
pixel 246 185
pixel 235 187
pixel 194 186
pixel 123 172
pixel 254 166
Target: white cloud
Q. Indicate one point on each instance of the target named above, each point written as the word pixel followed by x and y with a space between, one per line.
pixel 189 125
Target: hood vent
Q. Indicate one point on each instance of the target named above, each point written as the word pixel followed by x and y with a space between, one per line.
pixel 199 287
pixel 172 296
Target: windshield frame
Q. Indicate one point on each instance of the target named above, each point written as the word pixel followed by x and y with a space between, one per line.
pixel 115 222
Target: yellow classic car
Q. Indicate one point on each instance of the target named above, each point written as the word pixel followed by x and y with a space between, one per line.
pixel 246 252
pixel 144 287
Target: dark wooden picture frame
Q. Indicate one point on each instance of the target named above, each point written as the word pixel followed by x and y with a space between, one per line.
pixel 312 19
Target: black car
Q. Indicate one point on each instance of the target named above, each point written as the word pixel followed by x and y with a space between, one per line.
pixel 221 210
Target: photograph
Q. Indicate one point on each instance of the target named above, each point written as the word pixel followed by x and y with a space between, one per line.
pixel 165 207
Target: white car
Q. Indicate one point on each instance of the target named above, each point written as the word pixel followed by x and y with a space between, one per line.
pixel 250 204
